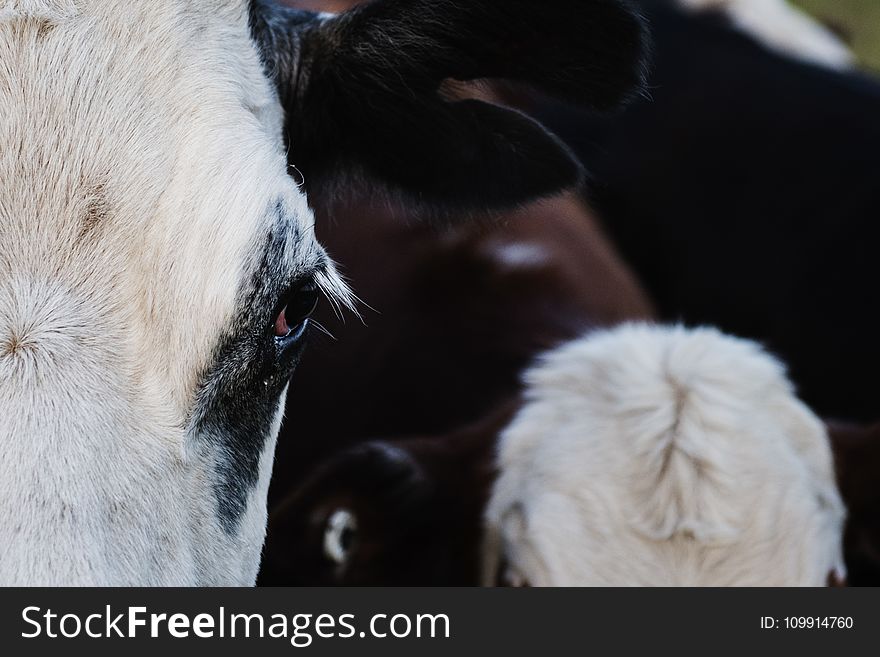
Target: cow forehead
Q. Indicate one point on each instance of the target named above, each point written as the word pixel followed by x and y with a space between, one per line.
pixel 141 164
pixel 114 105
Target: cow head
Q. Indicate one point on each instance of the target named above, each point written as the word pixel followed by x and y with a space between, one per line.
pixel 404 512
pixel 361 518
pixel 652 456
pixel 158 264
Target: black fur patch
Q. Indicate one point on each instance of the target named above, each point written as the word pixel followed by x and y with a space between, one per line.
pixel 278 31
pixel 363 101
pixel 240 391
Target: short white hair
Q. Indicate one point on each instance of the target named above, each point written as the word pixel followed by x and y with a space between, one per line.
pixel 651 456
pixel 50 10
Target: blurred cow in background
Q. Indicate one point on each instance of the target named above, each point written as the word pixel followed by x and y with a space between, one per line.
pixel 742 190
pixel 744 195
pixel 663 457
pixel 459 315
pixel 641 455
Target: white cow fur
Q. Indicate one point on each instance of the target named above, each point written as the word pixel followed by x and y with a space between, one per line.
pixel 52 10
pixel 663 456
pixel 156 120
pixel 782 27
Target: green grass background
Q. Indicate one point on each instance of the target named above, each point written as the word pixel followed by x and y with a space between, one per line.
pixel 859 20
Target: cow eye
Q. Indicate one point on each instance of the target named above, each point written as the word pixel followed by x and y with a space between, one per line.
pixel 296 307
pixel 339 536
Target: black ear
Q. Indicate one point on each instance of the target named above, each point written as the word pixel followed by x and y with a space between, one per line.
pixel 362 92
pixel 387 475
pixel 376 474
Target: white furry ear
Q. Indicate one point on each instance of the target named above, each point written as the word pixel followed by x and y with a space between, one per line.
pixel 50 10
pixel 665 456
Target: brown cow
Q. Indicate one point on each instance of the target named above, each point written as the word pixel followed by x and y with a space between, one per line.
pixel 459 314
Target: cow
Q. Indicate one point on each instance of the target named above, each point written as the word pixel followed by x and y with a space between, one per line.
pixel 398 512
pixel 743 194
pixel 158 262
pixel 394 492
pixel 638 455
pixel 452 317
pixel 432 371
pixel 652 456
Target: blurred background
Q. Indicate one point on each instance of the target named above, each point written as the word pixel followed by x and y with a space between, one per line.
pixel 857 21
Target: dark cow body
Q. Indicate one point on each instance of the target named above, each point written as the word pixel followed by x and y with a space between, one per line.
pixel 450 327
pixel 434 372
pixel 857 456
pixel 744 194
